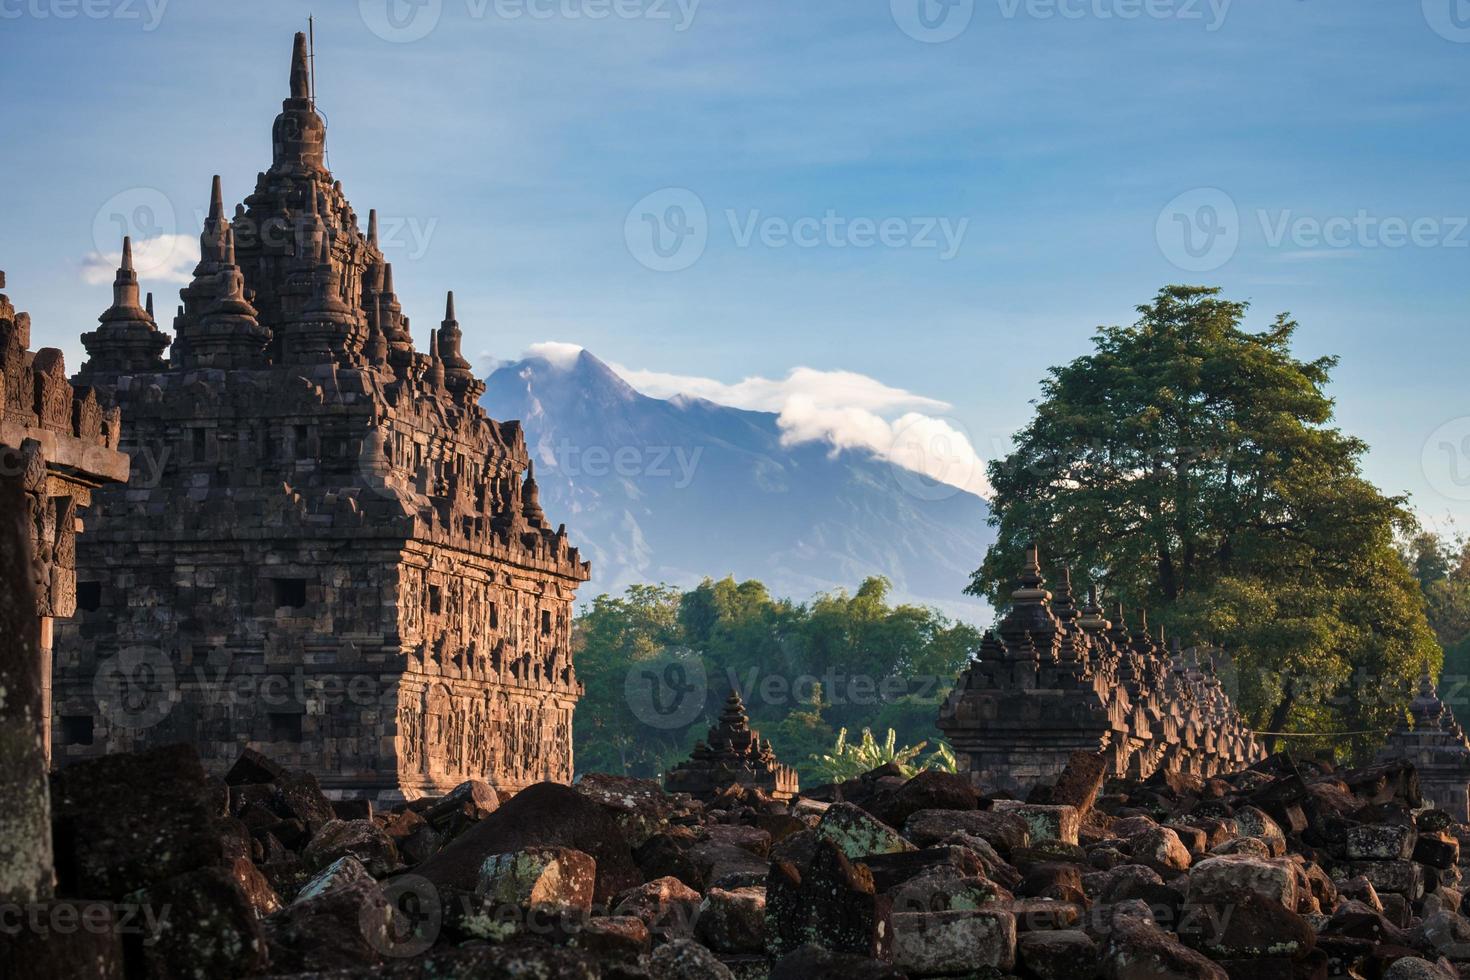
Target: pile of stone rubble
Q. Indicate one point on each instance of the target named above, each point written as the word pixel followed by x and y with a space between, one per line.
pixel 1285 870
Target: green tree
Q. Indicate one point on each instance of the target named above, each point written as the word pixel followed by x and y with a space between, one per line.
pixel 608 639
pixel 804 669
pixel 1188 465
pixel 1441 564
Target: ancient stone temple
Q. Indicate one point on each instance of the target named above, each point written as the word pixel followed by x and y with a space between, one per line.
pixel 732 755
pixel 57 446
pixel 1054 679
pixel 327 550
pixel 1434 742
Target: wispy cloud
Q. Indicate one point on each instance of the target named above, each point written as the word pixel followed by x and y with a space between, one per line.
pixel 844 410
pixel 164 258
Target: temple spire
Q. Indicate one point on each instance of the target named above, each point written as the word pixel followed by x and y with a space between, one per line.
pixel 373 227
pixel 298 138
pixel 300 73
pixel 216 200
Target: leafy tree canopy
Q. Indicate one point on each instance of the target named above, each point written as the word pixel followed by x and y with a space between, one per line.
pixel 1189 466
pixel 805 670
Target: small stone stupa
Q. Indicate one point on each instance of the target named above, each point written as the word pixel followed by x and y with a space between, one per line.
pixel 1434 742
pixel 733 754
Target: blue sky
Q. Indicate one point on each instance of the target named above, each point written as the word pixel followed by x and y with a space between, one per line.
pixel 519 148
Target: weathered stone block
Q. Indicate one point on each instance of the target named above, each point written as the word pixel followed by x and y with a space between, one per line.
pixel 929 943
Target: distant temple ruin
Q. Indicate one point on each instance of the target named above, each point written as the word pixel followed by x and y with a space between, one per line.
pixel 1435 743
pixel 732 755
pixel 1055 678
pixel 327 550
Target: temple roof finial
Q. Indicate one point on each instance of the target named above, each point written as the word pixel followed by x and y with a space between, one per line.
pixel 148 305
pixel 127 256
pixel 216 200
pixel 300 74
pixel 449 307
pixel 373 227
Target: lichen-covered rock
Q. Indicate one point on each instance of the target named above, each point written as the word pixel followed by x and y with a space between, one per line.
pixel 1160 849
pixel 666 905
pixel 613 938
pixel 542 878
pixel 363 839
pixel 1392 877
pixel 733 921
pixel 258 892
pixel 1004 831
pixel 1244 925
pixel 1253 822
pixel 543 815
pixel 929 943
pixel 339 920
pixel 683 959
pixel 858 833
pixel 471 801
pixel 720 863
pixel 1274 878
pixel 812 962
pixel 1248 846
pixel 206 927
pixel 1137 949
pixel 1044 822
pixel 124 822
pixel 1414 968
pixel 1381 842
pixel 641 807
pixel 946 889
pixel 831 902
pixel 1063 954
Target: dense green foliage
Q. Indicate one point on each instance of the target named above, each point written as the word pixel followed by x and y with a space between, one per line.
pixel 1189 466
pixel 1441 563
pixel 804 669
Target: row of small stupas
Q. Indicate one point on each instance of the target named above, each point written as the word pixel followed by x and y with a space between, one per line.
pixel 1435 743
pixel 1055 678
pixel 322 520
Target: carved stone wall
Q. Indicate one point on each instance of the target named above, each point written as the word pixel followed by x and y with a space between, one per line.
pixel 327 549
pixel 56 446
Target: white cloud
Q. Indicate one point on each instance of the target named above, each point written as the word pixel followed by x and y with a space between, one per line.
pixel 555 352
pixel 164 258
pixel 824 389
pixel 845 410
